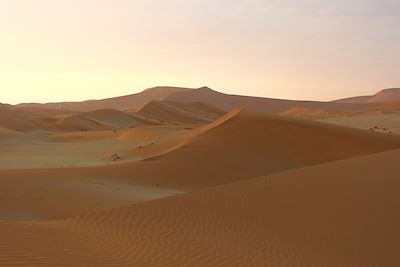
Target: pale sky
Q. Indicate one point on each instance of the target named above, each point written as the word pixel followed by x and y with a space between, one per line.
pixel 56 50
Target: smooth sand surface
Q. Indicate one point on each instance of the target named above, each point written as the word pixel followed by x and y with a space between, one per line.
pixel 344 213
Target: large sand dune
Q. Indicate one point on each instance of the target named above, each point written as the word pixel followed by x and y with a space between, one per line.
pixel 336 214
pixel 239 146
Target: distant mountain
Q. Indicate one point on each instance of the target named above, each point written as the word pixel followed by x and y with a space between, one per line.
pixel 134 101
pixel 384 96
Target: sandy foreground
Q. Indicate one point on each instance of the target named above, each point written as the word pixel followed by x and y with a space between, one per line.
pixel 167 188
pixel 344 213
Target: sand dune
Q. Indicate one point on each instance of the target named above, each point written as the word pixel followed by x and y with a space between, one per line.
pixel 135 101
pixel 172 185
pixel 101 120
pixel 246 144
pixel 258 104
pixel 239 146
pixel 181 113
pixel 5 106
pixel 384 96
pixel 343 213
pixel 22 121
pixel 222 101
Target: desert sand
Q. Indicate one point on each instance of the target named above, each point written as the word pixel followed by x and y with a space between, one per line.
pixel 385 123
pixel 344 213
pixel 181 177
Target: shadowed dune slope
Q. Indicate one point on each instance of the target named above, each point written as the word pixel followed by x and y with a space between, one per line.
pixel 344 213
pixel 134 101
pixel 181 113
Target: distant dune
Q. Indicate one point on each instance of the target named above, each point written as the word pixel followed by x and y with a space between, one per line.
pixel 22 121
pixel 4 106
pixel 258 104
pixel 221 101
pixel 385 123
pixel 181 113
pixel 102 119
pixel 384 96
pixel 343 213
pixel 321 113
pixel 135 101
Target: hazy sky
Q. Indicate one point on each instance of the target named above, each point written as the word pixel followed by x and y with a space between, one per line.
pixel 55 50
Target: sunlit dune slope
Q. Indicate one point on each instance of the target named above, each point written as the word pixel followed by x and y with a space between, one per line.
pixel 344 213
